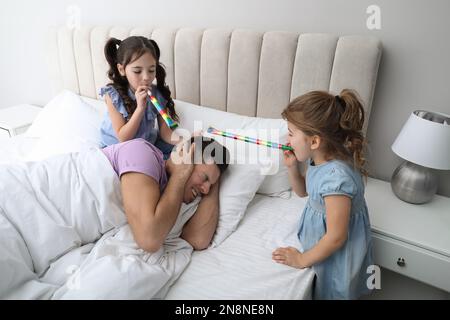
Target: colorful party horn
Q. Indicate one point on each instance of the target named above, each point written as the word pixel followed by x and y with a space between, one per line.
pixel 249 139
pixel 170 123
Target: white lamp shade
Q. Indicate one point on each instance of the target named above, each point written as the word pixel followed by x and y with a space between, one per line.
pixel 425 140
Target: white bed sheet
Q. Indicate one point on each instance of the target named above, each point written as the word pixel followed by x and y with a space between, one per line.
pixel 242 266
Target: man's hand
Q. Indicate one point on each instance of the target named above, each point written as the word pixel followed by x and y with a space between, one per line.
pixel 181 161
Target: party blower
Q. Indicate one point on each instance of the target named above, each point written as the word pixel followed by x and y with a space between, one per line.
pixel 169 121
pixel 249 139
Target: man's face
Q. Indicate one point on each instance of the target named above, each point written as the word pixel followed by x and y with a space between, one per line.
pixel 199 183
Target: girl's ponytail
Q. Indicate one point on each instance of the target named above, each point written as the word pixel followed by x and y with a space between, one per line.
pixel 338 120
pixel 351 123
pixel 111 48
pixel 118 82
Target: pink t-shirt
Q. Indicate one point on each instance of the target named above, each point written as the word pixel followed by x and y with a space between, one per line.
pixel 137 155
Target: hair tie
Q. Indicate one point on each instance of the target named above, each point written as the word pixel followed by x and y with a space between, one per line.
pixel 117 43
pixel 340 102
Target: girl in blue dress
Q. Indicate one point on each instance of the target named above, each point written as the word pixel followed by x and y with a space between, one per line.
pixel 334 230
pixel 134 65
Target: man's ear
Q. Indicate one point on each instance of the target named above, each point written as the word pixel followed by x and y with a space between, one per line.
pixel 121 69
pixel 315 142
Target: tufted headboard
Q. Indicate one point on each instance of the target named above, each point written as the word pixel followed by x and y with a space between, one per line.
pixel 241 71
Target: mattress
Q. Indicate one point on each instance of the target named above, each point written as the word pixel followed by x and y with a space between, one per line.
pixel 242 266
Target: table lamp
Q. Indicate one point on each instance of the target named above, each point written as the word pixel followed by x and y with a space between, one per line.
pixel 424 142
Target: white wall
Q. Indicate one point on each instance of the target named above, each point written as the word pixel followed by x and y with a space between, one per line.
pixel 414 70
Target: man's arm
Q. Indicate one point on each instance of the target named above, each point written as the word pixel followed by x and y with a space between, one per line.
pixel 199 230
pixel 150 215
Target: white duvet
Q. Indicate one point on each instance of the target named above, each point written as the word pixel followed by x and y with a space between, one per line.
pixel 63 235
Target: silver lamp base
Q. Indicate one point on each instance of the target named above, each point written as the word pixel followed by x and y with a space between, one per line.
pixel 413 183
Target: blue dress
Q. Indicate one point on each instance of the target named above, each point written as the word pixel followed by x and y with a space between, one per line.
pixel 148 129
pixel 343 275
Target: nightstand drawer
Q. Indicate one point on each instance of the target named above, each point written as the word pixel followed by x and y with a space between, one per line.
pixel 412 261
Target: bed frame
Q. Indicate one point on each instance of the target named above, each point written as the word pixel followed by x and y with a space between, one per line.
pixel 240 71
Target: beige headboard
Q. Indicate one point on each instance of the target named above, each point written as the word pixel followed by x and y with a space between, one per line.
pixel 241 71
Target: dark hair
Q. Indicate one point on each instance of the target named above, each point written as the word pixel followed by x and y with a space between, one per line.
pixel 127 51
pixel 209 148
pixel 338 120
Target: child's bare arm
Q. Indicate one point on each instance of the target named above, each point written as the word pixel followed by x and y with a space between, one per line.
pixel 124 130
pixel 297 181
pixel 166 133
pixel 338 216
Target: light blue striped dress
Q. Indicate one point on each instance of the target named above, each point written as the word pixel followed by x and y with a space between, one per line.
pixel 344 274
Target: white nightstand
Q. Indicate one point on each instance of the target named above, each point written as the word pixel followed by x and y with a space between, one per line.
pixel 413 240
pixel 16 120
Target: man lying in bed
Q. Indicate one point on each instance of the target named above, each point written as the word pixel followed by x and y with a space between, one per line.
pixel 64 234
pixel 152 200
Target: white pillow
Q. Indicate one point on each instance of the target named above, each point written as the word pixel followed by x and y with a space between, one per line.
pixel 194 118
pixel 277 184
pixel 238 186
pixel 99 105
pixel 66 124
